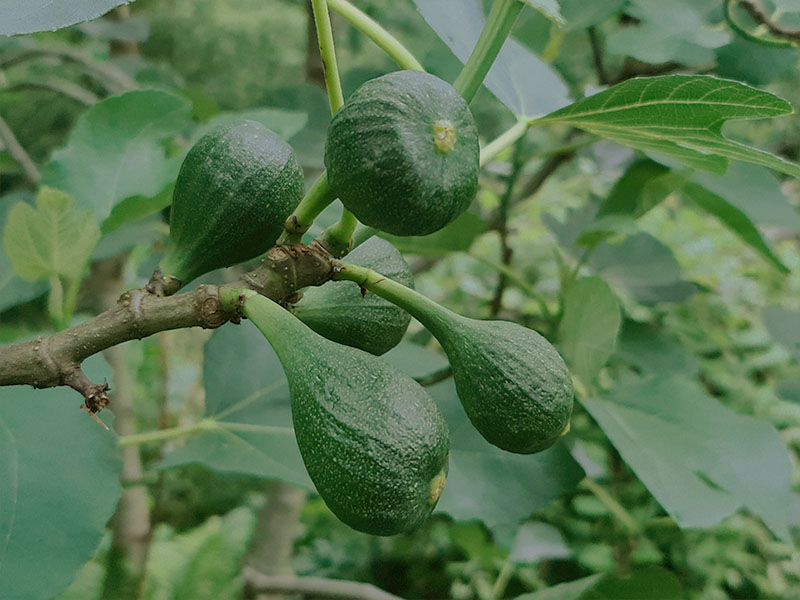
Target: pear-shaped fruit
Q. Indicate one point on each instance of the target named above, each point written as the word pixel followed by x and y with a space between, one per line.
pixel 513 384
pixel 372 440
pixel 402 153
pixel 340 312
pixel 235 189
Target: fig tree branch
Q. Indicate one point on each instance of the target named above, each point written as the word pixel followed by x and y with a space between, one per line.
pixel 755 10
pixel 55 360
pixel 18 153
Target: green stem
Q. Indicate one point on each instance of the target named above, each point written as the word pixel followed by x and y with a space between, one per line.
pixel 315 201
pixel 505 140
pixel 518 282
pixel 501 583
pixel 338 238
pixel 163 435
pixel 432 315
pixel 385 40
pixel 498 26
pixel 347 224
pixel 322 20
pixel 614 507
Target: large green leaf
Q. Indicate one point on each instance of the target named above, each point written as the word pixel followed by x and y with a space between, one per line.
pixel 51 240
pixel 248 419
pixel 60 486
pixel 734 219
pixel 490 484
pixel 698 458
pixel 518 78
pixel 654 351
pixel 675 31
pixel 28 16
pixel 589 327
pixel 756 192
pixel 415 361
pixel 641 266
pixel 678 115
pixel 115 150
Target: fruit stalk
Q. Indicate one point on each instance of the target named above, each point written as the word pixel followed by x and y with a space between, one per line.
pixel 338 237
pixel 385 40
pixel 498 26
pixel 431 314
pixel 322 20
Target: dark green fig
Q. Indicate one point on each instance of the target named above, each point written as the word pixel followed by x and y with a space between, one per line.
pixel 340 312
pixel 372 440
pixel 513 384
pixel 235 189
pixel 402 153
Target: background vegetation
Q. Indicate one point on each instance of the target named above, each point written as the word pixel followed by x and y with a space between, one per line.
pixel 672 293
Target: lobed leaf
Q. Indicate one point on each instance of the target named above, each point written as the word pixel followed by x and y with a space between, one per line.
pixel 51 240
pixel 678 115
pixel 698 458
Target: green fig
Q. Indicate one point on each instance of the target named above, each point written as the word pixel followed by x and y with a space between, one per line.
pixel 373 441
pixel 235 189
pixel 402 153
pixel 340 312
pixel 512 383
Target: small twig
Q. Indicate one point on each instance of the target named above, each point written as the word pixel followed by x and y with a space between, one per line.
pixel 755 10
pixel 317 587
pixel 597 55
pixel 18 153
pixel 58 86
pixel 105 73
pixel 502 228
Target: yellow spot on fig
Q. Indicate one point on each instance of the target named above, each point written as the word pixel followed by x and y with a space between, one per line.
pixel 444 136
pixel 437 486
pixel 566 430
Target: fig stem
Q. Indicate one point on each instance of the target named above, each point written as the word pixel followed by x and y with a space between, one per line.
pixel 322 20
pixel 385 40
pixel 428 312
pixel 315 201
pixel 497 28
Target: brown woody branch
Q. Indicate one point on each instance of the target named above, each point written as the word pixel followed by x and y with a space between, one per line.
pixel 760 16
pixel 55 360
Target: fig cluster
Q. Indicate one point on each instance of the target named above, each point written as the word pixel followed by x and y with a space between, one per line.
pixel 403 156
